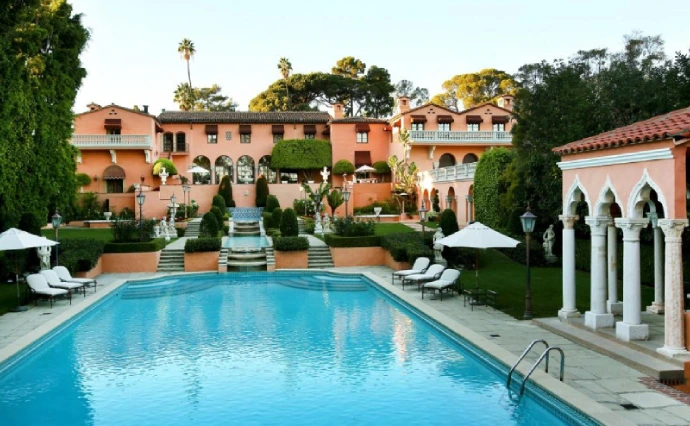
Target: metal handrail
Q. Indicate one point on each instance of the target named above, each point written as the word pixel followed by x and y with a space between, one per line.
pixel 524 354
pixel 545 354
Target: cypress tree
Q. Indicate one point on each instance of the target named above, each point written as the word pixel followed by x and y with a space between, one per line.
pixel 225 190
pixel 288 223
pixel 261 191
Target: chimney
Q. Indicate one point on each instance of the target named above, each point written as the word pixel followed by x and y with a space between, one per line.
pixel 506 101
pixel 93 106
pixel 403 104
pixel 337 111
pixel 146 109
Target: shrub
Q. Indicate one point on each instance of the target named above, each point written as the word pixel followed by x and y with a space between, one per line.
pixel 219 201
pixel 338 241
pixel 261 191
pixel 268 219
pixel 449 223
pixel 302 206
pixel 180 231
pixel 164 162
pixel 488 186
pixel 436 202
pixel 415 252
pixel 272 203
pixel 126 214
pixel 80 254
pixel 82 179
pixel 387 207
pixel 30 223
pixel 343 166
pixel 309 226
pixel 219 216
pixel 335 199
pixel 301 154
pixel 226 230
pixel 209 226
pixel 381 167
pixel 139 247
pixel 276 217
pixel 225 191
pixel 457 256
pixel 124 231
pixel 90 207
pixel 288 224
pixel 199 245
pixel 191 211
pixel 406 247
pixel 291 243
pixel 349 227
pixel 273 233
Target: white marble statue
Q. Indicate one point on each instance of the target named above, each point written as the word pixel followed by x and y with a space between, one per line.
pixel 324 174
pixel 549 239
pixel 44 255
pixel 326 223
pixel 438 247
pixel 156 229
pixel 163 174
pixel 317 226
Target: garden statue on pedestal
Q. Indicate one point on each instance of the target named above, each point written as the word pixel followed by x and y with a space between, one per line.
pixel 326 224
pixel 549 240
pixel 163 174
pixel 156 229
pixel 438 247
pixel 324 174
pixel 171 226
pixel 44 256
pixel 317 226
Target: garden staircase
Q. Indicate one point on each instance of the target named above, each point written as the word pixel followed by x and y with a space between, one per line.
pixel 193 228
pixel 300 226
pixel 320 257
pixel 243 229
pixel 172 260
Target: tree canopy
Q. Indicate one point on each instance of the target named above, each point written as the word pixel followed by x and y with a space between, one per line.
pixel 468 90
pixel 205 99
pixel 301 154
pixel 418 95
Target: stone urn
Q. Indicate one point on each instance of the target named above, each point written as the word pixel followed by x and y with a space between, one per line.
pixel 107 215
pixel 377 211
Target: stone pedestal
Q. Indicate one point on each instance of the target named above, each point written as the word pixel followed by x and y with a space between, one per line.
pixel 551 259
pixel 630 332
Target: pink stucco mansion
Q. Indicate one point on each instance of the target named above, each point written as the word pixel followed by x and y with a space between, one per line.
pixel 118 146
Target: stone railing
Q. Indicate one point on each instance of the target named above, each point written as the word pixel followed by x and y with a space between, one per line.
pixel 111 141
pixel 452 137
pixel 459 172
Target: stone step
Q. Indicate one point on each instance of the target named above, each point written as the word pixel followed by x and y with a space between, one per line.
pixel 245 263
pixel 238 256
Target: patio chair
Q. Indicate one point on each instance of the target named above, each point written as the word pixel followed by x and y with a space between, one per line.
pixel 420 265
pixel 431 274
pixel 64 275
pixel 448 279
pixel 39 287
pixel 54 281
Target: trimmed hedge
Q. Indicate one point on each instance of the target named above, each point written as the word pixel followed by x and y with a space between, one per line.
pixel 273 232
pixel 449 223
pixel 291 244
pixel 301 154
pixel 406 247
pixel 349 227
pixel 387 207
pixel 381 167
pixel 276 217
pixel 146 247
pixel 199 245
pixel 338 241
pixel 261 191
pixel 219 216
pixel 343 166
pixel 288 224
pixel 272 203
pixel 164 162
pixel 268 219
pixel 488 186
pixel 80 254
pixel 219 201
pixel 209 226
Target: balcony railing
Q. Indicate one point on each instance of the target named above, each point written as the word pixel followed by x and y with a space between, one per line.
pixel 175 148
pixel 112 141
pixel 452 137
pixel 456 173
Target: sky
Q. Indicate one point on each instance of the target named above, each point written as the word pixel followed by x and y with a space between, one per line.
pixel 132 56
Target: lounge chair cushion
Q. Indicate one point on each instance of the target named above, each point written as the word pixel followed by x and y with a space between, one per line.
pixel 439 284
pixel 64 275
pixel 54 281
pixel 39 285
pixel 419 266
pixel 430 274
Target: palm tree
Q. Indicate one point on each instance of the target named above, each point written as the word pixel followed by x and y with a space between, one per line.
pixel 285 68
pixel 187 51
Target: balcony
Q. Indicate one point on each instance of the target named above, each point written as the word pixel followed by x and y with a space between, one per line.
pixel 177 148
pixel 111 141
pixel 479 138
pixel 457 173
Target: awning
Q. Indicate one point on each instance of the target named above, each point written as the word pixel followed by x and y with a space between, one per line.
pixel 245 129
pixel 211 129
pixel 362 127
pixel 418 118
pixel 278 129
pixel 113 123
pixel 445 118
pixel 114 172
pixel 497 119
pixel 309 129
pixel 474 119
pixel 362 158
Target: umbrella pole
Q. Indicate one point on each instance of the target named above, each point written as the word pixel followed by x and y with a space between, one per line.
pixel 16 279
pixel 476 268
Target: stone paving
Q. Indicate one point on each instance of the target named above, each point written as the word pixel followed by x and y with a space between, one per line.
pixel 600 378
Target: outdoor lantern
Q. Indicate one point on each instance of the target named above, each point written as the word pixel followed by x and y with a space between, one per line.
pixel 57 220
pixel 346 195
pixel 528 221
pixel 422 211
pixel 141 198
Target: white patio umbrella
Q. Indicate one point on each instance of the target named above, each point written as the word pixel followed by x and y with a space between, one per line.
pixel 478 236
pixel 16 239
pixel 197 169
pixel 365 169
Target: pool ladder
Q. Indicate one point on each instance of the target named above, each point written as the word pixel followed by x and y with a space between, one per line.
pixel 544 354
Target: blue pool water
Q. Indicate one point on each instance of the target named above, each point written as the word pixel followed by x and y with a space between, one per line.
pixel 261 348
pixel 246 242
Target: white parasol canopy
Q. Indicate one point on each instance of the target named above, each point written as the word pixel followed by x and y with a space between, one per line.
pixel 198 169
pixel 364 169
pixel 16 239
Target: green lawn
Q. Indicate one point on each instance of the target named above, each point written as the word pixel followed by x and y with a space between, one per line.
pixel 497 272
pixel 391 228
pixel 8 296
pixel 103 234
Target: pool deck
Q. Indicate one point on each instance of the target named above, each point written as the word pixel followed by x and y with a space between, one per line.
pixel 589 376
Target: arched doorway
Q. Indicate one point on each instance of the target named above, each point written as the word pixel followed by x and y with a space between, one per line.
pixel 224 167
pixel 202 178
pixel 265 169
pixel 450 199
pixel 245 170
pixel 446 160
pixel 114 177
pixel 469 158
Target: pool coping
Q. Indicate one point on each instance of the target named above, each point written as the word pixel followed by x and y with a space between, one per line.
pixel 564 392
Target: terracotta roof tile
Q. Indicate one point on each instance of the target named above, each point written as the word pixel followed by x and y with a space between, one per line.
pixel 359 120
pixel 657 128
pixel 316 117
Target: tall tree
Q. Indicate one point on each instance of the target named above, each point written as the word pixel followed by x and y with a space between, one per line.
pixel 349 66
pixel 475 88
pixel 187 51
pixel 418 95
pixel 202 98
pixel 285 68
pixel 375 98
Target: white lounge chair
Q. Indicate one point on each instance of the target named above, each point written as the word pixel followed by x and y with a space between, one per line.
pixel 419 267
pixel 64 275
pixel 54 281
pixel 431 274
pixel 39 287
pixel 448 279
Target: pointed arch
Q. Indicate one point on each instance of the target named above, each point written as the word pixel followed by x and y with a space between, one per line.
pixel 607 196
pixel 640 196
pixel 575 195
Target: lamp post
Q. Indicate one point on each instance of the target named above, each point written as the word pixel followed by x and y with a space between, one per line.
pixel 140 200
pixel 422 217
pixel 185 189
pixel 528 221
pixel 317 202
pixel 57 220
pixel 346 197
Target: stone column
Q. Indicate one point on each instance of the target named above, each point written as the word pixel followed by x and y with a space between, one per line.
pixel 613 304
pixel 674 325
pixel 597 317
pixel 568 310
pixel 631 328
pixel 657 306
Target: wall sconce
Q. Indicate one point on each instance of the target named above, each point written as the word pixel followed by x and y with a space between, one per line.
pixel 95 178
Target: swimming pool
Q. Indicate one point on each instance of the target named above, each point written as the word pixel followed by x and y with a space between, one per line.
pixel 259 348
pixel 251 242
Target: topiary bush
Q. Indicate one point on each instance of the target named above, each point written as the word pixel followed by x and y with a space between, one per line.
pixel 164 162
pixel 200 245
pixel 381 167
pixel 209 226
pixel 219 216
pixel 288 223
pixel 349 227
pixel 449 223
pixel 268 220
pixel 83 179
pixel 488 186
pixel 219 201
pixel 126 214
pixel 291 243
pixel 300 154
pixel 436 202
pixel 276 217
pixel 343 166
pixel 272 203
pixel 261 191
pixel 225 191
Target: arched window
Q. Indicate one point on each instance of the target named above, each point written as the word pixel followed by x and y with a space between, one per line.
pixel 181 142
pixel 469 158
pixel 223 168
pixel 167 142
pixel 264 169
pixel 245 169
pixel 446 160
pixel 204 163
